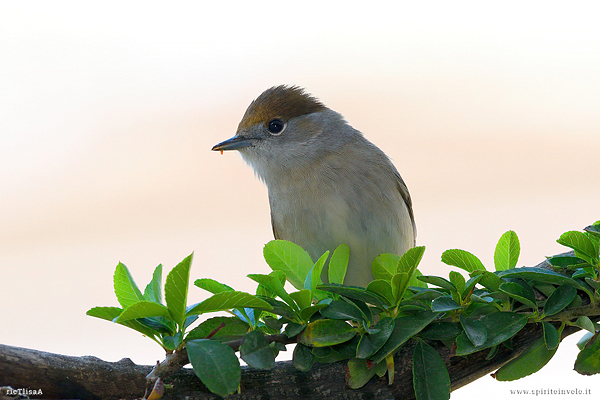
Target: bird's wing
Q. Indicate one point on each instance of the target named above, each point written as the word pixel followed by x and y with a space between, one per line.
pixel 406 197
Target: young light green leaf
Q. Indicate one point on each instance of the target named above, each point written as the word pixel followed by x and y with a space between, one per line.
pixel 588 359
pixel 584 247
pixel 176 289
pixel 273 283
pixel 462 259
pixel 458 281
pixel 382 288
pixel 410 260
pixel 399 285
pixel 524 294
pixel 111 314
pixel 431 380
pixel 216 365
pixel 338 264
pixel 153 290
pixel 488 280
pixel 507 251
pixel 143 309
pixel 384 266
pixel 559 299
pixel 212 286
pixel 290 258
pixel 415 281
pixel 302 298
pixel 314 276
pixel 226 301
pixel 256 352
pixel 528 362
pixel 126 289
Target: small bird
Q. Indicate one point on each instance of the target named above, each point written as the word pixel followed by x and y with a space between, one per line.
pixel 327 183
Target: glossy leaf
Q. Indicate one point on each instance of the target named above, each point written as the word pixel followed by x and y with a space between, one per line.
pixel 507 251
pixel 383 288
pixel 256 352
pixel 153 290
pixel 551 336
pixel 528 362
pixel 444 304
pixel 559 299
pixel 384 266
pixel 314 276
pixel 475 330
pixel 441 330
pixel 430 375
pixel 405 327
pixel 176 290
pixel 226 301
pixel 342 310
pixel 585 323
pixel 338 264
pixel 212 286
pixel 462 259
pixel 326 332
pixel 566 261
pixel 355 292
pixel 290 258
pixel 273 283
pixel 371 343
pixel 220 327
pixel 538 274
pixel 500 326
pixel 216 365
pixel 588 359
pixel 143 309
pixel 126 289
pixel 523 294
pixel 302 298
pixel 489 280
pixel 303 357
pixel 358 373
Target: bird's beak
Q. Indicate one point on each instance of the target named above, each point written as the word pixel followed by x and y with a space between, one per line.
pixel 235 143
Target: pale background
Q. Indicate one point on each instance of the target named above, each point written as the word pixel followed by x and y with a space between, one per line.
pixel 108 111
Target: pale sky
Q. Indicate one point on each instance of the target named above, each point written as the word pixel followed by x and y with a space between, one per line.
pixel 108 111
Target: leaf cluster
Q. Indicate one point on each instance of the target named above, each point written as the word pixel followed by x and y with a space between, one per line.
pixel 330 322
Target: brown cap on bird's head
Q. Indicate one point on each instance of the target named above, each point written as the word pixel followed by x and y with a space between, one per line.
pixel 284 102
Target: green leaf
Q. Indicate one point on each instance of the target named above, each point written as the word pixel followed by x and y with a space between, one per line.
pixel 176 289
pixel 326 332
pixel 107 313
pixel 399 285
pixel 273 283
pixel 538 274
pixel 292 329
pixel 559 299
pixel 441 330
pixel 583 246
pixel 355 292
pixel 384 266
pixel 338 264
pixel 143 309
pixel 226 301
pixel 256 352
pixel 462 259
pixel 551 336
pixel 415 281
pixel 409 261
pixel 212 286
pixel 507 251
pixel 437 281
pixel 594 230
pixel 342 310
pixel 216 365
pixel 308 312
pixel 475 330
pixel 369 344
pixel 430 375
pixel 488 280
pixel 126 289
pixel 289 258
pixel 524 294
pixel 228 328
pixel 303 358
pixel 302 298
pixel 383 289
pixel 500 327
pixel 405 327
pixel 314 276
pixel 458 281
pixel 358 373
pixel 585 323
pixel 153 289
pixel 444 304
pixel 588 359
pixel 528 362
pixel 566 261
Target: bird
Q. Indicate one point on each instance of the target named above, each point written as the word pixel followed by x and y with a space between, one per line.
pixel 327 184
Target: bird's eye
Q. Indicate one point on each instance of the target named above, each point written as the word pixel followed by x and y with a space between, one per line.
pixel 276 126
